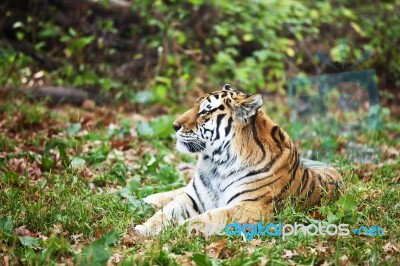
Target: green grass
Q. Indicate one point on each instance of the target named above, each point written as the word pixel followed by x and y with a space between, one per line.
pixel 70 190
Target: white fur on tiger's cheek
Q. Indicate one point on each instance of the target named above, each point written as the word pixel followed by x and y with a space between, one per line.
pixel 182 148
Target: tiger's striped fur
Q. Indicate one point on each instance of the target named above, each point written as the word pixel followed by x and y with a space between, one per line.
pixel 247 165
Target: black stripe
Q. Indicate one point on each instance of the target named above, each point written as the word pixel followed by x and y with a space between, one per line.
pixel 319 179
pixel 195 207
pixel 303 185
pixel 257 140
pixel 281 135
pixel 261 170
pixel 311 190
pixel 292 175
pixel 251 190
pixel 186 213
pixel 273 131
pixel 265 169
pixel 226 144
pixel 217 151
pixel 256 180
pixel 205 181
pixel 206 130
pixel 255 199
pixel 228 127
pixel 296 161
pixel 330 177
pixel 197 195
pixel 219 119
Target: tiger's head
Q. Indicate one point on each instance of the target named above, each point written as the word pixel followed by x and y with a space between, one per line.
pixel 211 123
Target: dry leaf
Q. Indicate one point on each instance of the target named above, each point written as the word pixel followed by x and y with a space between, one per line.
pixel 215 249
pixel 263 261
pixel 343 260
pixel 184 259
pixel 288 254
pixel 302 250
pixel 127 240
pixel 5 260
pixel 22 231
pixel 395 180
pixel 57 229
pixel 321 248
pixel 88 104
pixel 390 248
pixel 115 259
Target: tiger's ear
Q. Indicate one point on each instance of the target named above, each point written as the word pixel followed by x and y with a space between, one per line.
pixel 227 87
pixel 247 107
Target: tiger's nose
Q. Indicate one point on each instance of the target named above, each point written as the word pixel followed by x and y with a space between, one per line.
pixel 176 127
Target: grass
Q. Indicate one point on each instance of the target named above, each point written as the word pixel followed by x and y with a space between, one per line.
pixel 71 182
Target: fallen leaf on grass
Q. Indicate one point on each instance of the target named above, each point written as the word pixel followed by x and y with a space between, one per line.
pixel 5 260
pixel 17 165
pixel 215 249
pixel 22 231
pixel 115 259
pixel 317 215
pixel 88 104
pixel 320 247
pixel 263 261
pixel 343 260
pixel 302 250
pixel 184 259
pixel 29 241
pixel 395 180
pixel 390 248
pixel 57 229
pixel 127 241
pixel 288 254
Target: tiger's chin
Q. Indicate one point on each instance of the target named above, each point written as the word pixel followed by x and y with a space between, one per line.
pixel 189 147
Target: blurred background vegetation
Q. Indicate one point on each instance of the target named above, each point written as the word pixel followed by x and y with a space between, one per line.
pixel 145 52
pixel 71 177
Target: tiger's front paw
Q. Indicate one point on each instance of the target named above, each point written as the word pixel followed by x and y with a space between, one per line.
pixel 143 231
pixel 138 231
pixel 153 200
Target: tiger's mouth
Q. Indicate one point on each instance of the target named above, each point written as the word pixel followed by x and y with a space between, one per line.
pixel 192 146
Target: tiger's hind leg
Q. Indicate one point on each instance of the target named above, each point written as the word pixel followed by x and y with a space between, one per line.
pixel 159 200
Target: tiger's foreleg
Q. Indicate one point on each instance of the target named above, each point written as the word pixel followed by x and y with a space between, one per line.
pixel 182 210
pixel 158 200
pixel 175 212
pixel 242 212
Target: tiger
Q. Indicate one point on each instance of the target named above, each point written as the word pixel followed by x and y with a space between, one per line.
pixel 247 166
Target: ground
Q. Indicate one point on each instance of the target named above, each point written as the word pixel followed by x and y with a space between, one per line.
pixel 72 179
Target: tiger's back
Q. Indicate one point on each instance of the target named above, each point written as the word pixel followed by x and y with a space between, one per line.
pixel 262 164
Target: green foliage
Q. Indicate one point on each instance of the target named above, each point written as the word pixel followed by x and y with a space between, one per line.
pixel 97 253
pixel 168 48
pixel 159 127
pixel 6 225
pixel 80 209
